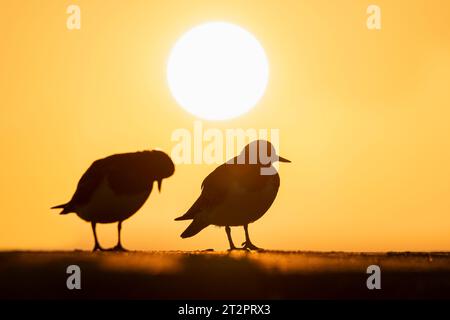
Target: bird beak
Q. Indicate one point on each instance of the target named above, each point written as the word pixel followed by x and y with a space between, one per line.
pixel 281 159
pixel 159 185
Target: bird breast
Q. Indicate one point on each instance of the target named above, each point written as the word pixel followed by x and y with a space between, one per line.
pixel 242 206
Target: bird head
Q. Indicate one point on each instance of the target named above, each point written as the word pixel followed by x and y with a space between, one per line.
pixel 160 166
pixel 260 152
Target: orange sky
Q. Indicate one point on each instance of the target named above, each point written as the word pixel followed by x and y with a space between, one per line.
pixel 363 115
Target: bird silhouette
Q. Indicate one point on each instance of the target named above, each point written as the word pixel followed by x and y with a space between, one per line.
pixel 114 188
pixel 237 193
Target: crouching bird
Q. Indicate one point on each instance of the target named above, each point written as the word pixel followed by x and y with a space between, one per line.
pixel 237 193
pixel 116 187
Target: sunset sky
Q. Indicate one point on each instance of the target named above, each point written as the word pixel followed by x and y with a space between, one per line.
pixel 362 114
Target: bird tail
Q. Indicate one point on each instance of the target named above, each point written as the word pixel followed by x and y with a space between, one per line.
pixel 183 217
pixel 195 227
pixel 62 206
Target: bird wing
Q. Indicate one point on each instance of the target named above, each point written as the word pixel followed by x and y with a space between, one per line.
pixel 123 173
pixel 87 184
pixel 215 188
pixel 219 183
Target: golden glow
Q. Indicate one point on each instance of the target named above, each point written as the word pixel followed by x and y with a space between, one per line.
pixel 363 115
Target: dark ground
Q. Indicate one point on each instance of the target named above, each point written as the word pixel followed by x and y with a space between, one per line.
pixel 221 275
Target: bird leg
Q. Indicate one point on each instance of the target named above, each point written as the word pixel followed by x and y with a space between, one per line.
pixel 230 240
pixel 97 244
pixel 119 247
pixel 247 244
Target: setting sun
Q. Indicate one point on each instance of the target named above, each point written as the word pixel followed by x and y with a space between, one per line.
pixel 217 71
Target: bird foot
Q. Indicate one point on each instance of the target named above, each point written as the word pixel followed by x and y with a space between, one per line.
pixel 118 248
pixel 238 249
pixel 250 246
pixel 235 248
pixel 98 248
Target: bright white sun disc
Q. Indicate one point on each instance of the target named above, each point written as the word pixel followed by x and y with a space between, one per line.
pixel 217 71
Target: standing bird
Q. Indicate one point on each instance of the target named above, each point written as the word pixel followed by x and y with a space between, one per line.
pixel 237 193
pixel 114 188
